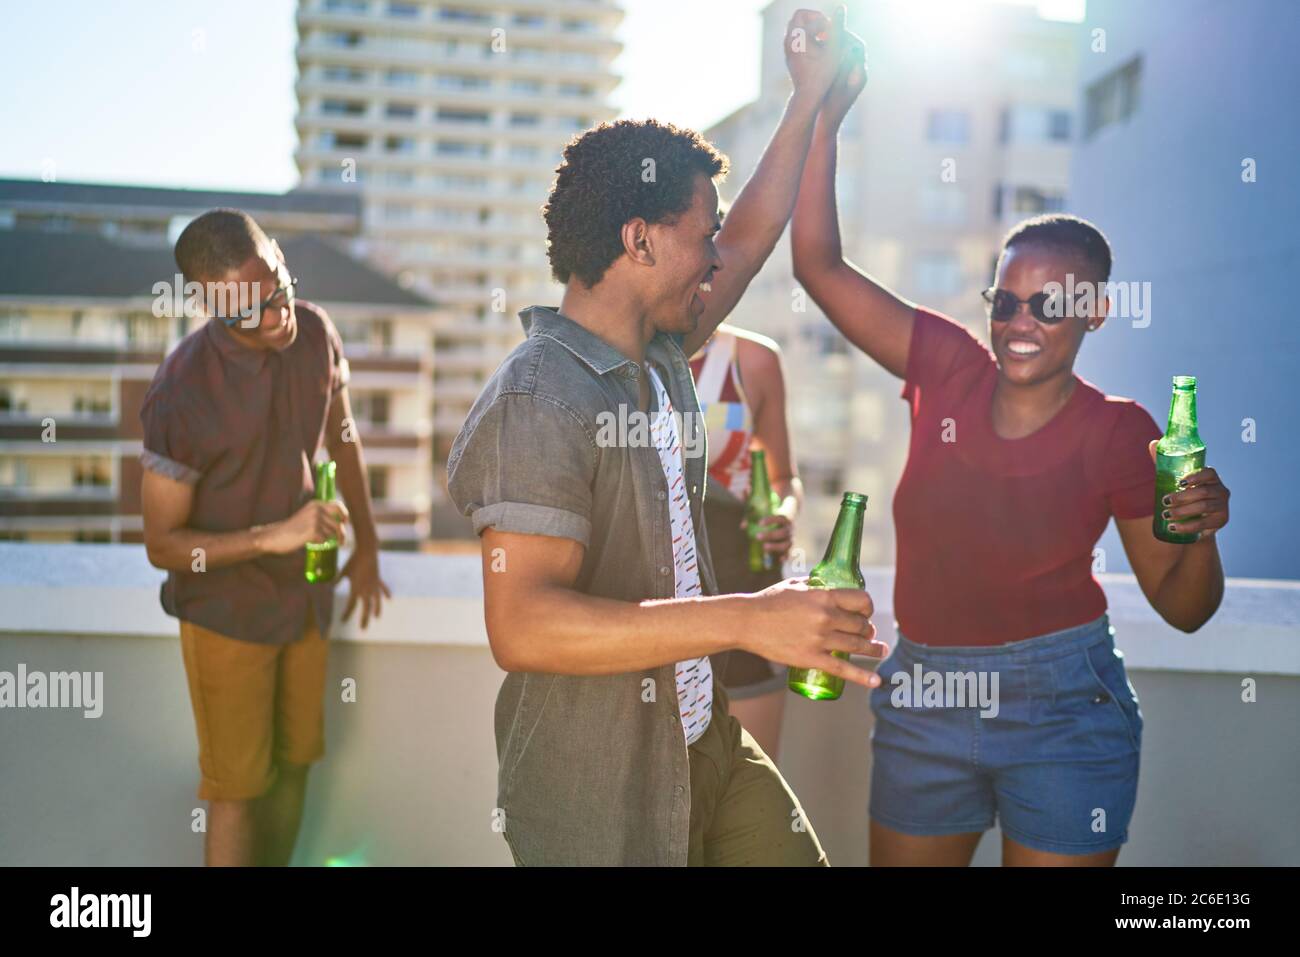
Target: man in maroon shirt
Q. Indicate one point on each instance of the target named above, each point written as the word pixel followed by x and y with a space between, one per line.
pixel 233 420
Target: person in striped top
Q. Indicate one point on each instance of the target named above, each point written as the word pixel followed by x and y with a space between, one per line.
pixel 741 389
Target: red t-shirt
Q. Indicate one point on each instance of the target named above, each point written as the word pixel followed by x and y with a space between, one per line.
pixel 995 536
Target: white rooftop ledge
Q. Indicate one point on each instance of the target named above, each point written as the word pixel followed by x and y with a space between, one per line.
pixel 437 599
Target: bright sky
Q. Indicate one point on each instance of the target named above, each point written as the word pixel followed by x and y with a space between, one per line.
pixel 200 94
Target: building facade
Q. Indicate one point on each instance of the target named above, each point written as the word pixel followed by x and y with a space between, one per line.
pixel 1187 162
pixel 82 332
pixel 448 119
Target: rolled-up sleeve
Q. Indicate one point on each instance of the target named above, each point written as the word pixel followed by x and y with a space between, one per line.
pixel 525 465
pixel 170 446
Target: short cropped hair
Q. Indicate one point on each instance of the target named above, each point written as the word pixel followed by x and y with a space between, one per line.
pixel 1065 232
pixel 217 242
pixel 613 173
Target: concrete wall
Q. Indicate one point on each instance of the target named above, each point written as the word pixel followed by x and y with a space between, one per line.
pixel 410 774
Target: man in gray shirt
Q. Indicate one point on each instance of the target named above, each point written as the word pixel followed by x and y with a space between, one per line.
pixel 582 465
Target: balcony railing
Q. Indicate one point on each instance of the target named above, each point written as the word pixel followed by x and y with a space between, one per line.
pixel 410 773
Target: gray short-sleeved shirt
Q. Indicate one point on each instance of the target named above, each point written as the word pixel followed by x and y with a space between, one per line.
pixel 593 769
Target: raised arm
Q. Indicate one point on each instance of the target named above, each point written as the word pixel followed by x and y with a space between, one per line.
pixel 759 214
pixel 872 317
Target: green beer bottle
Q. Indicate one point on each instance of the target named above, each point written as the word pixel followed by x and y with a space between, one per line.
pixel 323 557
pixel 837 569
pixel 1179 453
pixel 761 504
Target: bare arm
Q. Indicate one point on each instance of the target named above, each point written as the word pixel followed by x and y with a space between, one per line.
pixel 759 215
pixel 872 317
pixel 1184 583
pixel 537 622
pixel 763 380
pixel 345 448
pixel 362 569
pixel 171 544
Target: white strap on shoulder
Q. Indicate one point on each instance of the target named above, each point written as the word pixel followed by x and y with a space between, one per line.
pixel 708 386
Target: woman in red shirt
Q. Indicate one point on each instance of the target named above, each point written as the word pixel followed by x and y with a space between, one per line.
pixel 1014 468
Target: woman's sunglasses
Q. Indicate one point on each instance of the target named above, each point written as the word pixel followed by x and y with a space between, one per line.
pixel 1002 305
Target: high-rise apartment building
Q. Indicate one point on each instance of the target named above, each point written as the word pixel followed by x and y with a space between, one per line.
pixel 449 120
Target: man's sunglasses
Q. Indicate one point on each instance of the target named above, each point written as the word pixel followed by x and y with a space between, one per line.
pixel 283 295
pixel 1002 305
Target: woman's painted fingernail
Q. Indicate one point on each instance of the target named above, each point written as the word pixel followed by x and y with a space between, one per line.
pixel 1173 527
pixel 1165 514
pixel 1182 483
pixel 1168 500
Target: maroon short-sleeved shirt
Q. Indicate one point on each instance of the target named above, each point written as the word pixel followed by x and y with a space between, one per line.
pixel 995 536
pixel 243 427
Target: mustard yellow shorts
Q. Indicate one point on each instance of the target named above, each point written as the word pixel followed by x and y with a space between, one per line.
pixel 255 706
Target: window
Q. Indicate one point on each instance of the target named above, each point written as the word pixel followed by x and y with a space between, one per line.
pixel 402 78
pixel 461 81
pixel 1113 98
pixel 1029 200
pixel 403 11
pixel 349 141
pixel 529 20
pixel 1034 124
pixel 526 86
pixel 399 144
pixel 948 126
pixel 943 204
pixel 524 152
pixel 938 273
pixel 343 108
pixel 449 115
pixel 399 177
pixel 463 16
pixel 400 111
pixel 458 148
pixel 345 6
pixel 377 476
pixel 335 38
pixel 92 404
pixel 343 74
pixel 371 408
pixel 91 473
pixel 525 119
pixel 1058 126
pixel 576 89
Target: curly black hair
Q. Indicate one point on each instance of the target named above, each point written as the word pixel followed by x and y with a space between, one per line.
pixel 1066 232
pixel 615 172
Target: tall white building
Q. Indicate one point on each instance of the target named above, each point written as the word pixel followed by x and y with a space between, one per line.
pixel 450 119
pixel 964 128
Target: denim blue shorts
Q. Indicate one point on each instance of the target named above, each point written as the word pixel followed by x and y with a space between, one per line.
pixel 1042 735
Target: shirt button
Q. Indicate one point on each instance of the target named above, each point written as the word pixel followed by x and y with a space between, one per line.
pixel 661 495
pixel 679 789
pixel 1101 698
pixel 664 569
